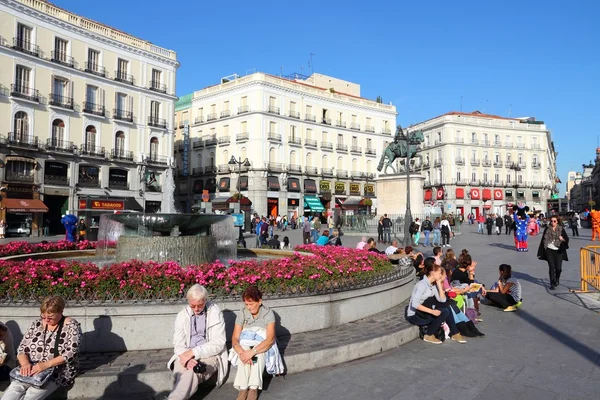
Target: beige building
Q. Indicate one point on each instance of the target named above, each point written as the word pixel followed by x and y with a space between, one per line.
pixel 474 162
pixel 312 144
pixel 87 114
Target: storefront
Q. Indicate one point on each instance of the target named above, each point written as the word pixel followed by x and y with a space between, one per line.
pixel 312 205
pixel 224 184
pixel 90 209
pixel 293 202
pixel 340 194
pixel 23 216
pixel 225 204
pixel 325 194
pixel 273 196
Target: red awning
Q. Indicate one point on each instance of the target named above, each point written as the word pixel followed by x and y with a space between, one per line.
pixel 475 194
pixel 498 194
pixel 460 193
pixel 487 194
pixel 427 196
pixel 24 205
pixel 440 194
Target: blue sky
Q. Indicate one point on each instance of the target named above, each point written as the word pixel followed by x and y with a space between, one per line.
pixel 536 58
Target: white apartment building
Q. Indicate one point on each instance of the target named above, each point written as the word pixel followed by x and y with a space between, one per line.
pixel 312 144
pixel 474 162
pixel 86 113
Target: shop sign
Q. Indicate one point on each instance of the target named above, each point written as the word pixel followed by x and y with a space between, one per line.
pixel 293 202
pixel 369 190
pixel 107 205
pixel 340 188
pixel 355 189
pixel 324 187
pixel 186 146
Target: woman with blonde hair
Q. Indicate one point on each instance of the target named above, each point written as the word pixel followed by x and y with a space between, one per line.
pixel 41 353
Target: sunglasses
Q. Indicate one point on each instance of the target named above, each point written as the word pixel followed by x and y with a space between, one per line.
pixel 554 220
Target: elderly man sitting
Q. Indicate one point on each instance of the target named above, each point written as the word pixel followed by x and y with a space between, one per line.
pixel 392 248
pixel 199 341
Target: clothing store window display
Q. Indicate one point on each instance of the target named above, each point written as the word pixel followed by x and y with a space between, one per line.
pixel 553 249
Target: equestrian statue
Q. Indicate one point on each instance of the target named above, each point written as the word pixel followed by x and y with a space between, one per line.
pixel 399 149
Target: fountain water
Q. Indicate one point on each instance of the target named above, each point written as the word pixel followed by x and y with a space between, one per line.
pixel 167 206
pixel 183 238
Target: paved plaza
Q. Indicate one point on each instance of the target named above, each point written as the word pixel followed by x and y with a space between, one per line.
pixel 549 349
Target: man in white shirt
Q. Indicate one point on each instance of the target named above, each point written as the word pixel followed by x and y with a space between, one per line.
pixel 392 248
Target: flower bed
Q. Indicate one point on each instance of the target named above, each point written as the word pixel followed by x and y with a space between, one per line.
pixel 328 268
pixel 16 248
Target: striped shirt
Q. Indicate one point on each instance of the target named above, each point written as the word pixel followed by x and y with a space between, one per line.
pixel 515 289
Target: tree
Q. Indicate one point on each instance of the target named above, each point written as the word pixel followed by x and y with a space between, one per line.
pixel 379 100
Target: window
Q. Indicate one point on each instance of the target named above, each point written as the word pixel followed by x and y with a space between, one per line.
pixel 473 137
pixel 508 157
pixel 459 137
pixel 309 134
pixel 24 38
pixel 23 83
pixel 58 132
pixel 520 159
pixel 226 132
pixel 122 73
pixel 20 127
pixel 325 162
pixel 244 101
pixel 124 106
pixel 496 140
pixel 272 127
pixel 535 159
pixel 292 106
pixel 156 78
pixel 473 176
pixel 369 143
pixel 485 138
pixel 520 179
pixel 474 155
pixel 309 160
pixel 154 109
pixel 485 176
pixel 508 178
pixel 439 137
pixel 354 164
pixel 485 156
pixel 154 150
pixel 244 127
pixel 93 63
pixel 369 166
pixel 508 140
pixel 354 141
pixel 61 92
pixel 293 157
pixel 497 177
pixel 458 175
pixel 324 136
pixel 90 138
pixel 340 139
pixel 292 132
pixel 119 144
pixel 60 50
pixel 497 157
pixel 91 95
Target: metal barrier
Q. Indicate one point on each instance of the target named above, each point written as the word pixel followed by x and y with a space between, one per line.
pixel 589 268
pixel 368 223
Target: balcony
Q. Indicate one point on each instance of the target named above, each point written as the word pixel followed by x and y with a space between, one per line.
pixel 436 142
pixel 520 145
pixel 508 144
pixel 522 164
pixel 459 161
pixel 274 137
pixel 437 163
pixel 156 159
pixel 294 114
pixel 94 109
pixel 88 182
pixel 122 115
pixel 197 143
pixel 310 143
pixel 243 109
pixel 211 117
pixel 118 185
pixel 327 146
pixel 19 177
pixel 209 141
pixel 59 146
pixel 356 175
pixel 536 165
pixel 355 126
pixel 342 147
pixel 93 151
pixel 498 164
pixel 56 180
pixel 223 168
pixel 23 92
pixel 342 173
pixel 485 142
pixel 475 163
pixel 121 154
pixel 24 141
pixel 310 118
pixel 474 182
pixel 499 183
pixel 275 167
pixel 474 141
pixel 437 182
pixel 486 163
pixel 356 150
pixel 153 188
pixel 124 77
pixel 312 171
pixel 157 87
pixel 386 131
pixel 95 69
pixel 536 146
pixel 157 122
pixel 537 185
pixel 326 121
pixel 25 46
pixel 459 140
pixel 58 100
pixel 426 184
pixel 497 144
pixel 60 57
pixel 370 152
pixel 340 124
pixel 426 164
pixel 224 140
pixel 370 128
pixel 461 182
pixel 198 120
pixel 196 171
pixel 487 183
pixel 294 169
pixel 242 137
pixel 225 114
pixel 327 172
pixel 295 141
pixel 273 110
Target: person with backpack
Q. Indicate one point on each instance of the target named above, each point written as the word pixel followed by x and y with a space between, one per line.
pixel 427 227
pixel 387 229
pixel 575 225
pixel 445 229
pixel 264 231
pixel 415 231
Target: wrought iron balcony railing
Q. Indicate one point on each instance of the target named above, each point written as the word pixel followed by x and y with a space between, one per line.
pixel 91 150
pixel 122 76
pixel 20 140
pixel 60 57
pixel 92 108
pixel 95 69
pixel 59 100
pixel 60 146
pixel 26 46
pixel 121 154
pixel 123 115
pixel 56 180
pixel 157 122
pixel 158 87
pixel 24 92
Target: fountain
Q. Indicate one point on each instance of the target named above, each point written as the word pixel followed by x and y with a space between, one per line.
pixel 184 238
pixel 167 206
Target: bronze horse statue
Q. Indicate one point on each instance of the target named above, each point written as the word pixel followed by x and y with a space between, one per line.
pixel 399 148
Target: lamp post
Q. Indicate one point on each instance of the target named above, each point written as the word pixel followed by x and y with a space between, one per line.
pixel 367 176
pixel 239 163
pixel 408 215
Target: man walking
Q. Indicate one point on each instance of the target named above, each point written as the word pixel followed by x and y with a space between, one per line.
pixel 575 225
pixel 306 231
pixel 387 229
pixel 499 223
pixel 507 223
pixel 427 227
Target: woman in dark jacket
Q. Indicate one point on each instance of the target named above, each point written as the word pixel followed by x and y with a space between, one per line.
pixel 499 224
pixel 489 224
pixel 553 249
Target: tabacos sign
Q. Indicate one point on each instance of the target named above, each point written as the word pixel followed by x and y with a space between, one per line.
pixel 102 205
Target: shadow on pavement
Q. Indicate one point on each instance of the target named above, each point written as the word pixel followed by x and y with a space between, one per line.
pixel 503 246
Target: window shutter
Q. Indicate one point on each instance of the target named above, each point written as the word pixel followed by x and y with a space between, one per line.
pixel 130 104
pixel 116 101
pixel 70 90
pixel 100 99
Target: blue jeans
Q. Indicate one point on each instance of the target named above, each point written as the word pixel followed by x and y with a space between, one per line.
pixel 314 235
pixel 426 233
pixel 437 237
pixel 480 227
pixel 387 235
pixel 422 318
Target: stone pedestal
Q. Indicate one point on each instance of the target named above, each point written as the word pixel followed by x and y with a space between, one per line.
pixel 391 194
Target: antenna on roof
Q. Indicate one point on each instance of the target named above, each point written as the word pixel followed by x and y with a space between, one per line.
pixel 311 65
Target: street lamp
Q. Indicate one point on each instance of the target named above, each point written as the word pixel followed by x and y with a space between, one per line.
pixel 239 163
pixel 414 141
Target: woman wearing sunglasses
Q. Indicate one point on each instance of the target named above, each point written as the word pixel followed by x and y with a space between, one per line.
pixel 553 249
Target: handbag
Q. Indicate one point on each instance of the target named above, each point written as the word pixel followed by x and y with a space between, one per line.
pixel 40 379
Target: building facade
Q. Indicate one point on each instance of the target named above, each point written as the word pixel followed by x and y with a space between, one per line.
pixel 87 114
pixel 480 163
pixel 585 193
pixel 312 143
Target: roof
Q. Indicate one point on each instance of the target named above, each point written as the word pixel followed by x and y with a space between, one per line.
pixel 184 102
pixel 466 114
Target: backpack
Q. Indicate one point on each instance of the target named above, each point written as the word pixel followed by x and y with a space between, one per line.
pixel 413 228
pixel 440 334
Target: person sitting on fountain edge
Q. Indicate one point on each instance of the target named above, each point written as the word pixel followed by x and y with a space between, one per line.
pixel 199 340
